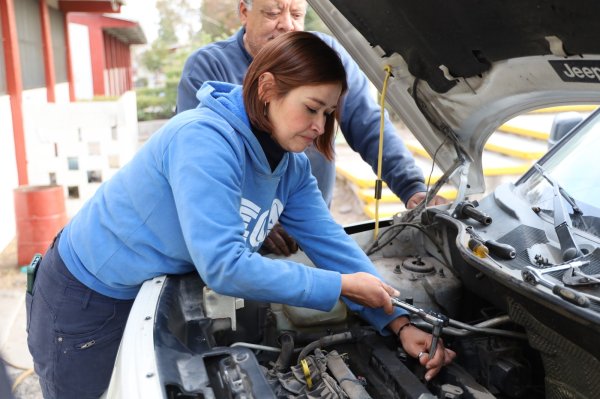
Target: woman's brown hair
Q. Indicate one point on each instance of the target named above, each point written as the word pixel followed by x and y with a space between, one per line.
pixel 295 59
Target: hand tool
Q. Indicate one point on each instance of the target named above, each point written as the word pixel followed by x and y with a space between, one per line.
pixel 437 320
pixel 482 247
pixel 535 276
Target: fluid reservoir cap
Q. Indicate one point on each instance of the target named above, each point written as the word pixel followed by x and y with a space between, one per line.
pixel 418 264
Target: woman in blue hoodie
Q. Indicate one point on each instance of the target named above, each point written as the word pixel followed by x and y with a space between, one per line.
pixel 202 194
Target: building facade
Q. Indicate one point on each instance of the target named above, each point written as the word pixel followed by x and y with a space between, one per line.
pixel 67 105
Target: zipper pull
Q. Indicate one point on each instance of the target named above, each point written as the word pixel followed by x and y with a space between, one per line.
pixel 87 344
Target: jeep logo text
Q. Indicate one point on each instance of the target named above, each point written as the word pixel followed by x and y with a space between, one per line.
pixel 577 70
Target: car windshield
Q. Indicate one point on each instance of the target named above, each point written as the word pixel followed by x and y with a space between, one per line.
pixel 571 167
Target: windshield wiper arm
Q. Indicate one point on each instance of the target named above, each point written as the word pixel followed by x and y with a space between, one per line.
pixel 562 220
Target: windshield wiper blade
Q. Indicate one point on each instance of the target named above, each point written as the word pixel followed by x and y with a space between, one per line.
pixel 562 220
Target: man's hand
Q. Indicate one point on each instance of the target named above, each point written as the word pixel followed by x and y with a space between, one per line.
pixel 419 197
pixel 417 344
pixel 279 242
pixel 366 289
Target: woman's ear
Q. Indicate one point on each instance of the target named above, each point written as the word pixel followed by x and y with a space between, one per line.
pixel 266 84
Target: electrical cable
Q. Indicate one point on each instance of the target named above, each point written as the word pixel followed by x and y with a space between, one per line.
pixel 460 329
pixel 428 193
pixel 21 378
pixel 399 226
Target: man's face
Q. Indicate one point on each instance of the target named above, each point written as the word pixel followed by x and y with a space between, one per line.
pixel 270 18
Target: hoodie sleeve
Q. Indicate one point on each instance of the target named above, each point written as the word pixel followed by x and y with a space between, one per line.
pixel 360 125
pixel 307 218
pixel 205 169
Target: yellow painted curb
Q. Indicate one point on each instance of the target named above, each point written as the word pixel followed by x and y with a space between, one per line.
pixel 370 183
pixel 506 170
pixel 524 132
pixel 387 197
pixel 360 182
pixel 369 209
pixel 530 155
pixel 567 108
pixel 417 150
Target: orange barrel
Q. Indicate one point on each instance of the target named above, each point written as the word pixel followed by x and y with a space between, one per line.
pixel 40 214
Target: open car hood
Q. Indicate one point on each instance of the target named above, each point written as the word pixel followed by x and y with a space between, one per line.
pixel 461 69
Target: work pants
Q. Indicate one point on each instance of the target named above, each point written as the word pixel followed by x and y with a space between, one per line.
pixel 73 332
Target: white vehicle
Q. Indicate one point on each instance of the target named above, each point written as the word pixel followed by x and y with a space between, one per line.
pixel 510 280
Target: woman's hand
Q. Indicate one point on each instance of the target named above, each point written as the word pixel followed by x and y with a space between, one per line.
pixel 417 343
pixel 368 290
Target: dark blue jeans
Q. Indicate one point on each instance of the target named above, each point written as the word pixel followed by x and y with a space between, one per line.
pixel 73 332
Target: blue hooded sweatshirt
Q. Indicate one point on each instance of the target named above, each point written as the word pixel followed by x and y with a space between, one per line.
pixel 200 194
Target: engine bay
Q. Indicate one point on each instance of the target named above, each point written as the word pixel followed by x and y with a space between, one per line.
pixel 514 339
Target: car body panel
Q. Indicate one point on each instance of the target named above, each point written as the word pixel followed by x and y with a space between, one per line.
pixel 478 64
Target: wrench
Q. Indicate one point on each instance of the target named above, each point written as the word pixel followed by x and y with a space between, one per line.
pixel 438 321
pixel 534 276
pixel 565 266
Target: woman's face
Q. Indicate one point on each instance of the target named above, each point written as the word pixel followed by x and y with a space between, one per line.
pixel 298 118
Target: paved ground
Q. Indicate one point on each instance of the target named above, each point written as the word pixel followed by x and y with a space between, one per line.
pixel 13 339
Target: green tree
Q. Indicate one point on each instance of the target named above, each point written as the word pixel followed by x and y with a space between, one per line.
pixel 219 18
pixel 179 35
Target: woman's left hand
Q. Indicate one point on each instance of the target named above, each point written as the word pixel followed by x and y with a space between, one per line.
pixel 417 343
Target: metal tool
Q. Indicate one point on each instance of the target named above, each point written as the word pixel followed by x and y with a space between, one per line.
pixel 575 277
pixel 482 247
pixel 437 320
pixel 564 266
pixel 535 276
pixel 571 271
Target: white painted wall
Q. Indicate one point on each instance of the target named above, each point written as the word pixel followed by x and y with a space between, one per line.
pixel 56 132
pixel 8 179
pixel 61 91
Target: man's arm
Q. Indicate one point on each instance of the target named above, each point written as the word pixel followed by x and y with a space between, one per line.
pixel 360 126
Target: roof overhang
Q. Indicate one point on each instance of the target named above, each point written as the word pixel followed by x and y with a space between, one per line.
pixel 125 30
pixel 100 6
pixel 128 34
